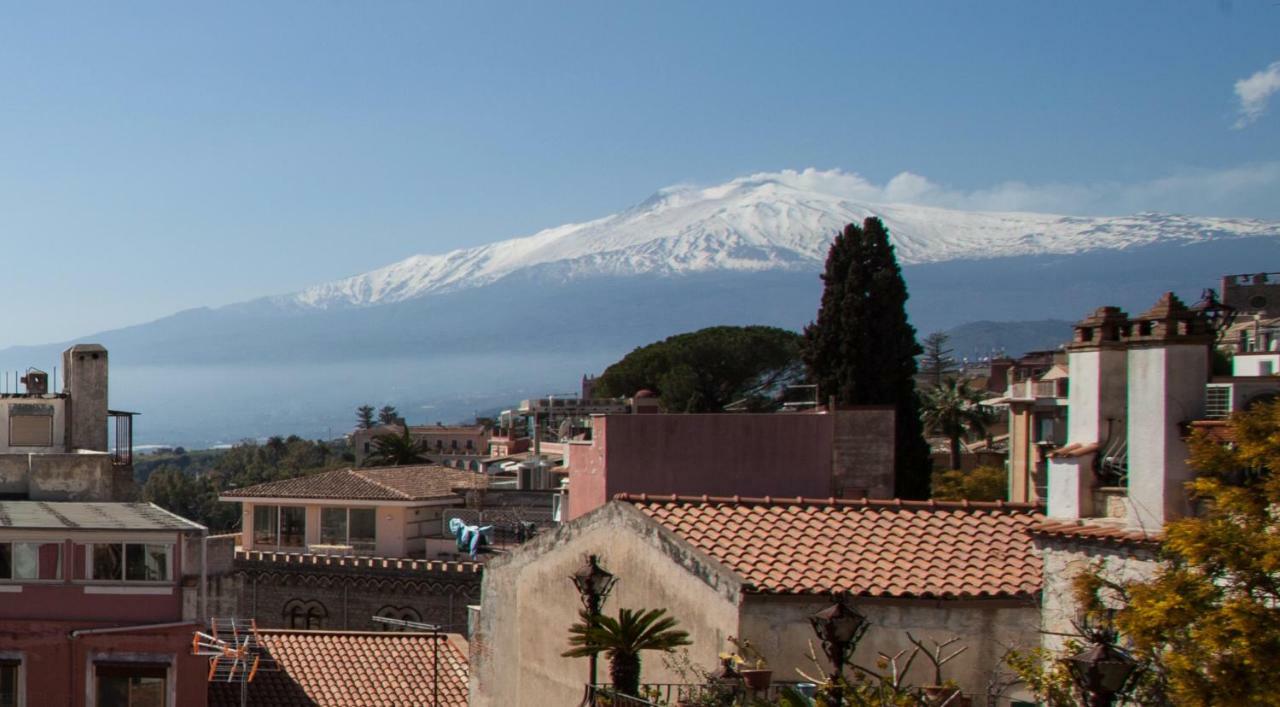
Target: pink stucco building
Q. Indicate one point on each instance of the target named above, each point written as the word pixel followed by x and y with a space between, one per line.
pixel 845 454
pixel 92 605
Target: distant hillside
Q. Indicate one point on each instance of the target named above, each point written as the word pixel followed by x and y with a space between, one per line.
pixel 977 339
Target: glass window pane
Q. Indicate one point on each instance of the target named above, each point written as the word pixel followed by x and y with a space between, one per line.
pixel 293 526
pixel 135 562
pixel 6 561
pixel 108 561
pixel 364 523
pixel 157 563
pixel 146 692
pixel 333 526
pixel 8 684
pixel 264 525
pixel 37 560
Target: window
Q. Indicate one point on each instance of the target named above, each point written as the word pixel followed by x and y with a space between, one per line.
pixel 130 562
pixel 1217 402
pixel 1266 368
pixel 124 685
pixel 31 431
pixel 265 522
pixel 293 526
pixel 349 526
pixel 9 683
pixel 30 560
pixel 305 614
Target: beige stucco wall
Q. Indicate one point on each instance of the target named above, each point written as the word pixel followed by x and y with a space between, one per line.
pixel 1064 559
pixel 779 626
pixel 391 530
pixel 528 604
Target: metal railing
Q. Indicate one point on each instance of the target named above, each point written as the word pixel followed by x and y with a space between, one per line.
pixel 663 694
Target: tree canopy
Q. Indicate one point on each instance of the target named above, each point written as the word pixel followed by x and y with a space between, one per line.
pixel 862 350
pixel 706 370
pixel 936 363
pixel 955 410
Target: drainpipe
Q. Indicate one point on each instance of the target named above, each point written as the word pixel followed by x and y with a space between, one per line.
pixel 204 576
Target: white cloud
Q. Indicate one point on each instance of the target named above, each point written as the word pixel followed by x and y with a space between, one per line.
pixel 1247 190
pixel 1255 91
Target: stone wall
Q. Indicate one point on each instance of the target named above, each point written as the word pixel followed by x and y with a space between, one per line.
pixel 82 476
pixel 1064 559
pixel 779 626
pixel 862 452
pixel 530 603
pixel 349 591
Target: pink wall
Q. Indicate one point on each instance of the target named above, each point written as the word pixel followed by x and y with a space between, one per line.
pixel 721 455
pixel 58 668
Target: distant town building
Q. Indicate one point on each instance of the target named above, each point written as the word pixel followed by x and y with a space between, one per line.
pixel 437 440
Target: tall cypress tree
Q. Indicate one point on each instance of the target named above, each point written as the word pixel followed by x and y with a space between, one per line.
pixel 862 350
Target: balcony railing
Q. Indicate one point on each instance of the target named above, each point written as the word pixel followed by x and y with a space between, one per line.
pixel 664 694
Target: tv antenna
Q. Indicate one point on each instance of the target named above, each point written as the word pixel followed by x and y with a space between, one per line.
pixel 435 648
pixel 235 652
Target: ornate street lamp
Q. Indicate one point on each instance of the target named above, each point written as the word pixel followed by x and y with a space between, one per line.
pixel 594 584
pixel 1103 670
pixel 839 627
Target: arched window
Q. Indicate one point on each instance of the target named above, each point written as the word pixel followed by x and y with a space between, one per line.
pixel 401 613
pixel 310 615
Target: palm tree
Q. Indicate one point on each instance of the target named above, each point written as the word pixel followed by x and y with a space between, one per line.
pixel 622 639
pixel 396 450
pixel 955 410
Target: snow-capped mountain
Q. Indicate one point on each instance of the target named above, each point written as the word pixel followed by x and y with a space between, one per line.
pixel 773 221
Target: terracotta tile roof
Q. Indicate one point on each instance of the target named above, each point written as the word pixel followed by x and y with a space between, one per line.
pixel 350 669
pixel 392 483
pixel 1097 531
pixel 872 548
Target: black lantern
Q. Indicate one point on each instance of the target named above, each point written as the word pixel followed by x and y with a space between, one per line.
pixel 594 584
pixel 839 627
pixel 1102 671
pixel 1219 315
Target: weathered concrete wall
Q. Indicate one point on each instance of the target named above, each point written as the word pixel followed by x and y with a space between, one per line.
pixel 529 604
pixel 1064 559
pixel 1166 390
pixel 51 406
pixel 85 367
pixel 862 452
pixel 74 477
pixel 780 627
pixel 14 470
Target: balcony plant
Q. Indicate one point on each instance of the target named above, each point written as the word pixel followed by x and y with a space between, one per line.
pixel 751 664
pixel 622 639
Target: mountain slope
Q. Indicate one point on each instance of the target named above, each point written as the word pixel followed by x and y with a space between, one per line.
pixel 779 221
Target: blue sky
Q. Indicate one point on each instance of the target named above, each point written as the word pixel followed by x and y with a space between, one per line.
pixel 155 157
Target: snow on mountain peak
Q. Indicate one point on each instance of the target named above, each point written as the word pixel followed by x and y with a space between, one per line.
pixel 764 221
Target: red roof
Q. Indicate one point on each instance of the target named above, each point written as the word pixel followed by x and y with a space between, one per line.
pixel 935 549
pixel 349 669
pixel 1101 532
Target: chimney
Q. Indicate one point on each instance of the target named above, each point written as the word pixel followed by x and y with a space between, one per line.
pixel 85 384
pixel 1168 361
pixel 1096 400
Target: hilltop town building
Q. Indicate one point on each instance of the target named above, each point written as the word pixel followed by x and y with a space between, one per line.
pixel 100 602
pixel 757 568
pixel 56 446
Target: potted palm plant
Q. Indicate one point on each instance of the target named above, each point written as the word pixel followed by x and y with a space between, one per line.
pixel 622 639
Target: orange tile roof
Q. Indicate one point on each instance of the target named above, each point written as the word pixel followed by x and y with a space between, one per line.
pixel 350 669
pixel 391 483
pixel 935 549
pixel 1102 532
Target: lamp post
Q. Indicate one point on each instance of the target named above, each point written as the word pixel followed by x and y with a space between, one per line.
pixel 594 584
pixel 1103 670
pixel 839 627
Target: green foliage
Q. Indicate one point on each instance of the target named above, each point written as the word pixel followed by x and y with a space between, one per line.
pixel 862 350
pixel 623 639
pixel 937 362
pixel 396 450
pixel 189 483
pixel 388 415
pixel 955 410
pixel 985 483
pixel 1044 675
pixel 364 417
pixel 705 370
